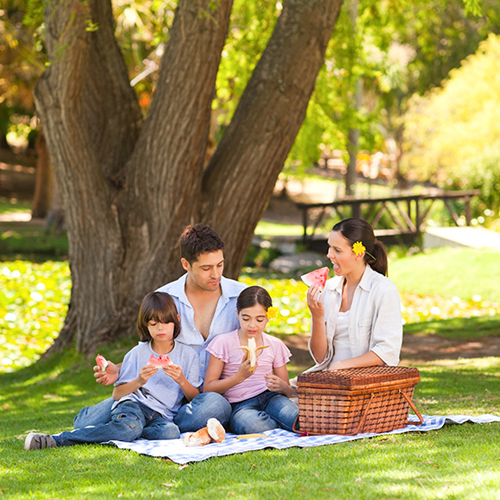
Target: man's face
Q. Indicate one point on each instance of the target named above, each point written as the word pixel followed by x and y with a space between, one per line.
pixel 206 272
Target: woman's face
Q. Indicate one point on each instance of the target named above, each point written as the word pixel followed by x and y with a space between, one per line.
pixel 340 253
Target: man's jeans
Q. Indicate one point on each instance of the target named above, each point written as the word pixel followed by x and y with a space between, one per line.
pixel 191 417
pixel 269 410
pixel 129 421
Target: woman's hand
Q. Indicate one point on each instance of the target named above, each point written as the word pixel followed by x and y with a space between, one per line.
pixel 109 376
pixel 315 302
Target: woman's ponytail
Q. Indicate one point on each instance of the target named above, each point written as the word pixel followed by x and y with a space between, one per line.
pixel 378 258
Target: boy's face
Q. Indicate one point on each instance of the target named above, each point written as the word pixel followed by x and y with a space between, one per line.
pixel 206 272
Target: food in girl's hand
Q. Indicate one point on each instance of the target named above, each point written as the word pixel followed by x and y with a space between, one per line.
pixel 252 351
pixel 102 363
pixel 159 362
pixel 213 432
pixel 317 277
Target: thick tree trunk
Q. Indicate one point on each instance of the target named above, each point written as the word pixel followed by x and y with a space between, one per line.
pixel 129 187
pixel 42 198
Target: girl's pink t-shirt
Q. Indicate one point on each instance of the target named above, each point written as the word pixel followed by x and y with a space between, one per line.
pixel 224 347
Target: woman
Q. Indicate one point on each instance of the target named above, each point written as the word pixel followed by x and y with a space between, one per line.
pixel 356 321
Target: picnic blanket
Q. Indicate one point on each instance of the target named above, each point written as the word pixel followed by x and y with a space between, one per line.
pixel 178 452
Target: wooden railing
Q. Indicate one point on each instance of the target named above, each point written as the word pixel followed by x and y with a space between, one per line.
pixel 407 214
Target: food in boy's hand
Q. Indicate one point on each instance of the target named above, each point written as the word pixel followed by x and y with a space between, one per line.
pixel 102 363
pixel 252 351
pixel 214 431
pixel 159 362
pixel 317 277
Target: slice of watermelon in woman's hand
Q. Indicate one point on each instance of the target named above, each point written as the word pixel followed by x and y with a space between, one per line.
pixel 101 362
pixel 317 277
pixel 159 362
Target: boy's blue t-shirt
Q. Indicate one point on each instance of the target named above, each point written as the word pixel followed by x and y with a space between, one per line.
pixel 160 393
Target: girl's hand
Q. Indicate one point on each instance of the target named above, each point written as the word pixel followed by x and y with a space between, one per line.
pixel 146 372
pixel 108 377
pixel 315 302
pixel 174 372
pixel 275 384
pixel 245 370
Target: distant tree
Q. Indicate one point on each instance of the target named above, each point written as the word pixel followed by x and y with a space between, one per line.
pixel 453 133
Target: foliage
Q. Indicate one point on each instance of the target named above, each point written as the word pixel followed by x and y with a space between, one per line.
pixel 453 131
pixel 34 243
pixel 422 466
pixel 33 303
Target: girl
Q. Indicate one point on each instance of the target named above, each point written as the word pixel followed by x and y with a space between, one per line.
pixel 357 320
pixel 259 395
pixel 146 398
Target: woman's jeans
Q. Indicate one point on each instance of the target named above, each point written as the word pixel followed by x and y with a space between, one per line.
pixel 268 410
pixel 191 417
pixel 129 421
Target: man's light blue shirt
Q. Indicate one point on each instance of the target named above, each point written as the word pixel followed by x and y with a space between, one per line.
pixel 225 319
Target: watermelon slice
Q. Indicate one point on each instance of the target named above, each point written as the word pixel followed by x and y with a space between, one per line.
pixel 101 362
pixel 317 277
pixel 160 361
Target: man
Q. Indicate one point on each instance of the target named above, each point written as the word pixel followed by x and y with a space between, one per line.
pixel 206 302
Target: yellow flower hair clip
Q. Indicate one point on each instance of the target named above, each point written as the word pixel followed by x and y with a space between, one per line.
pixel 358 248
pixel 272 312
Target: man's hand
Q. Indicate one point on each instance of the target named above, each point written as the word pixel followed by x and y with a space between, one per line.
pixel 108 377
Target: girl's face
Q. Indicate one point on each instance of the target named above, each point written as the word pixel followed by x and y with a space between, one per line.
pixel 161 332
pixel 253 320
pixel 340 253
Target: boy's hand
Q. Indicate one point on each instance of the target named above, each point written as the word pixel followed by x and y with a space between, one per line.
pixel 174 372
pixel 108 377
pixel 146 372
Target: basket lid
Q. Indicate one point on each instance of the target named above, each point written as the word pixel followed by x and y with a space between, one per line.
pixel 354 377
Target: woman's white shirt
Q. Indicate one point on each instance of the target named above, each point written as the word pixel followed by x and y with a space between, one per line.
pixel 375 322
pixel 341 341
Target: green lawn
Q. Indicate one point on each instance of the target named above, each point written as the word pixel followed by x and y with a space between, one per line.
pixel 457 462
pixel 450 272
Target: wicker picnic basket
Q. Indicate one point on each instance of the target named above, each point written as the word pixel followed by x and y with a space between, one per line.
pixel 355 400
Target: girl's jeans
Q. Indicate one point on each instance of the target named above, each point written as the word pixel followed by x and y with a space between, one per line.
pixel 268 410
pixel 129 421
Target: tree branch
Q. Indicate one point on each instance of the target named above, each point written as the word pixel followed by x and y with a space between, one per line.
pixel 266 122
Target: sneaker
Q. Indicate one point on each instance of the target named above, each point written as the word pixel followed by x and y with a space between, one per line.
pixel 36 441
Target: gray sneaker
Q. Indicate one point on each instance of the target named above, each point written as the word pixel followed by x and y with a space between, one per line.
pixel 36 441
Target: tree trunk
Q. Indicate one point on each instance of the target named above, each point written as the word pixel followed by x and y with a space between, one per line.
pixel 128 186
pixel 42 198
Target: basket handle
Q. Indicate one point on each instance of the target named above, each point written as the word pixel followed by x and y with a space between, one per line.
pixel 365 414
pixel 414 408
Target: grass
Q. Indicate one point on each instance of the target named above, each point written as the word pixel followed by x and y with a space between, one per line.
pixel 430 465
pixel 273 229
pixel 449 272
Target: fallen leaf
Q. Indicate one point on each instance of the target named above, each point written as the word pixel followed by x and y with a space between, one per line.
pixel 183 466
pixel 169 485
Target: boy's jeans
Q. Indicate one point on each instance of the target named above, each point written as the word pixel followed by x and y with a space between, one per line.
pixel 190 418
pixel 129 421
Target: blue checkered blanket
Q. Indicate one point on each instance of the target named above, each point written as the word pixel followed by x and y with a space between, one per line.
pixel 178 452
